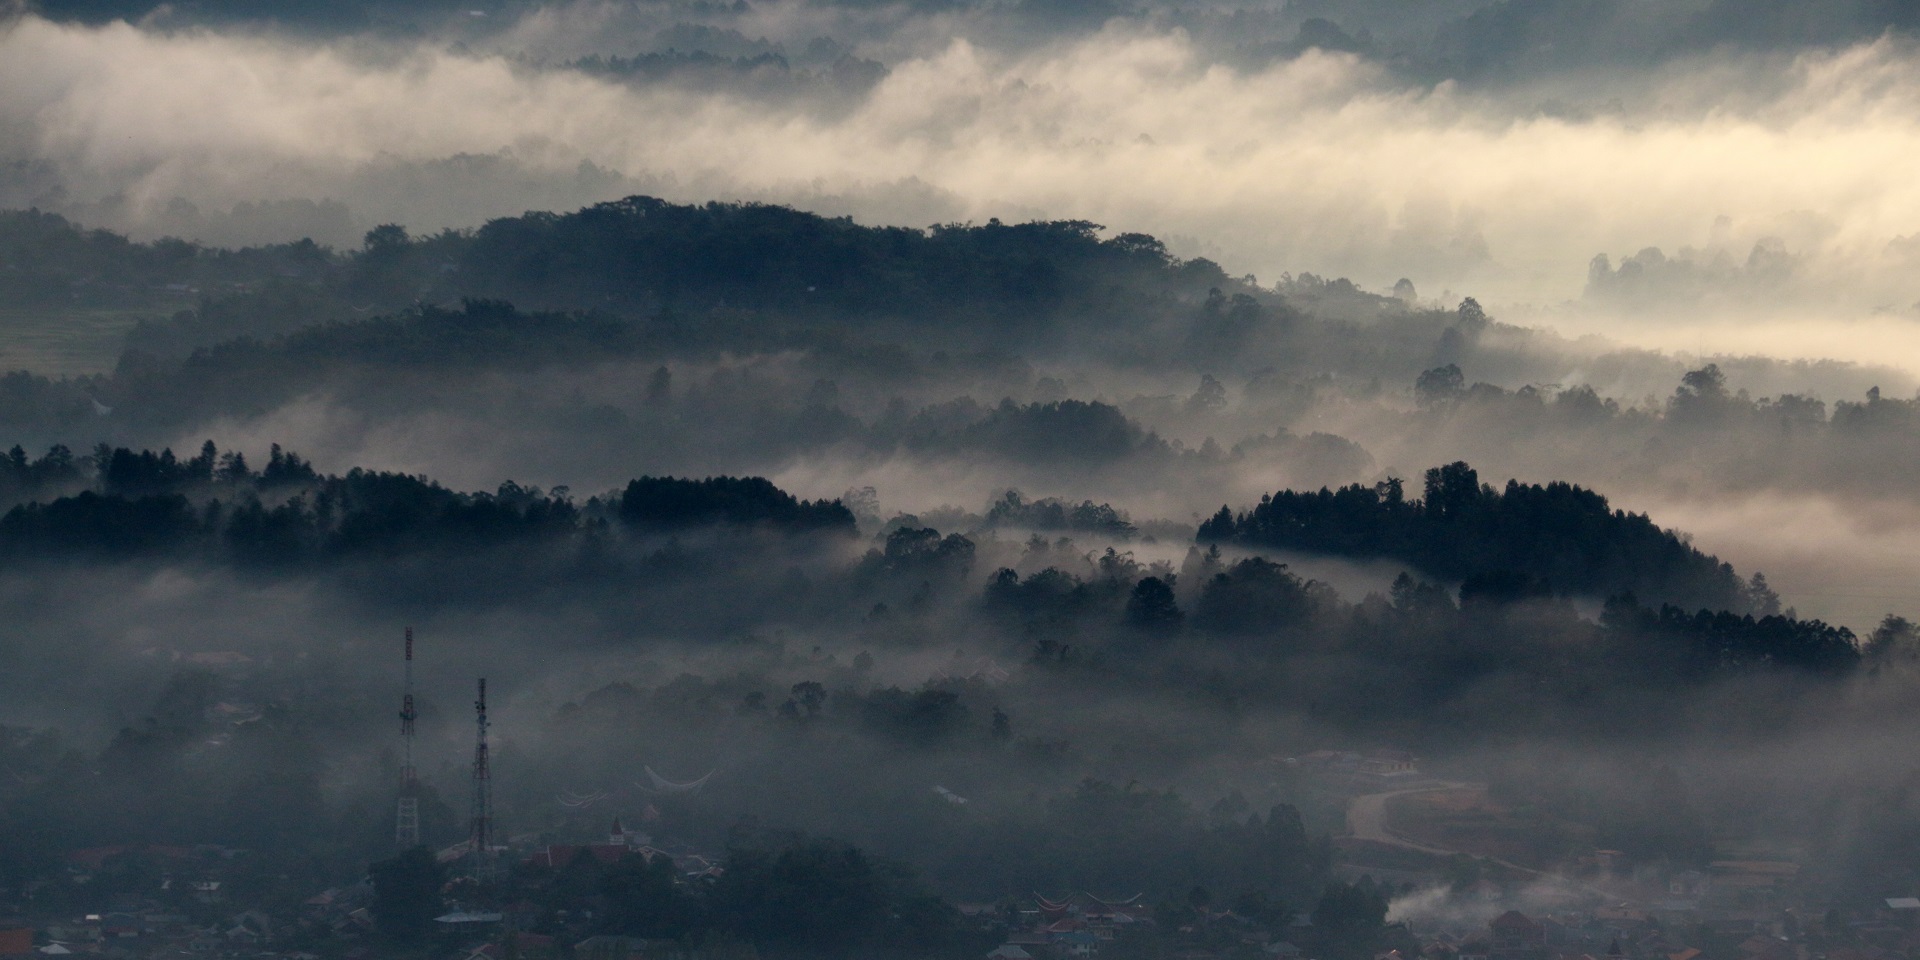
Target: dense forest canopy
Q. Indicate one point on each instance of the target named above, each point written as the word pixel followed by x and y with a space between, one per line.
pixel 1462 529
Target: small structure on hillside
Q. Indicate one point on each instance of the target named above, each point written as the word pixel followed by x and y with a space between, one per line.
pixel 1515 936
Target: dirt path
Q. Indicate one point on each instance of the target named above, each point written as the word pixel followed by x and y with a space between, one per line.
pixel 1367 820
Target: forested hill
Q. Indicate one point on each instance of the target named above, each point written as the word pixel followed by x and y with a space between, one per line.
pixel 724 554
pixel 215 506
pixel 956 285
pixel 1525 539
pixel 646 253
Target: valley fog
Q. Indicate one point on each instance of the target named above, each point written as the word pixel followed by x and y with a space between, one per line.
pixel 1335 480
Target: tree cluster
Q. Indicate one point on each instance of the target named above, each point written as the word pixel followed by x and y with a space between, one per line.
pixel 1461 529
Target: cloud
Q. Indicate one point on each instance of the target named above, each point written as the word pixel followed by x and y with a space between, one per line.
pixel 1322 163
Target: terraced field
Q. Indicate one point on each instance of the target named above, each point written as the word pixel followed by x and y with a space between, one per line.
pixel 68 342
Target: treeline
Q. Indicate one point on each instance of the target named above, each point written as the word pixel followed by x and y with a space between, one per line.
pixel 781 895
pixel 1525 538
pixel 1702 404
pixel 1235 630
pixel 645 253
pixel 644 281
pixel 666 503
pixel 642 277
pixel 397 363
pixel 250 376
pixel 1500 655
pixel 1705 432
pixel 1048 513
pixel 48 260
pixel 215 505
pixel 722 264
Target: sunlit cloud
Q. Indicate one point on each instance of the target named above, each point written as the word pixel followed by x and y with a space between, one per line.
pixel 1322 163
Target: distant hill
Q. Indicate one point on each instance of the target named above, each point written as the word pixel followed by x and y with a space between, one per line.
pixel 1527 537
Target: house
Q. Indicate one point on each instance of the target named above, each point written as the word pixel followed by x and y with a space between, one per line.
pixel 322 903
pixel 1516 937
pixel 985 916
pixel 466 919
pixel 558 856
pixel 1374 767
pixel 1092 909
pixel 1079 943
pixel 93 858
pixel 1063 926
pixel 1750 881
pixel 15 941
pixel 1558 934
pixel 533 946
pixel 253 922
pixel 1779 871
pixel 527 946
pixel 1620 913
pixel 1759 947
pixel 1687 884
pixel 610 948
pixel 120 925
pixel 358 919
pixel 1008 951
pixel 694 866
pixel 86 928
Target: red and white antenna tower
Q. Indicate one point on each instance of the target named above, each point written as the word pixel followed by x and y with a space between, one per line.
pixel 406 820
pixel 481 836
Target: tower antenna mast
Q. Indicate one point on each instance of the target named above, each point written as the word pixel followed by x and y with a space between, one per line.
pixel 406 820
pixel 481 837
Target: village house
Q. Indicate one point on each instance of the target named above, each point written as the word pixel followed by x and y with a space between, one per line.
pixel 1516 937
pixel 16 941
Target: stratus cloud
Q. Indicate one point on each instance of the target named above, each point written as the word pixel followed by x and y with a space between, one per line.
pixel 1319 164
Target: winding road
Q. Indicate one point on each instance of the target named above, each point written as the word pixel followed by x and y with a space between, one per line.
pixel 1367 820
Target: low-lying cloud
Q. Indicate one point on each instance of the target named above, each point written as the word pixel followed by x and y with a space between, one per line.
pixel 1322 163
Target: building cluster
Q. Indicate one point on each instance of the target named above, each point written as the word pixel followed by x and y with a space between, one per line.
pixel 154 902
pixel 621 843
pixel 1732 910
pixel 1371 769
pixel 165 901
pixel 1074 926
